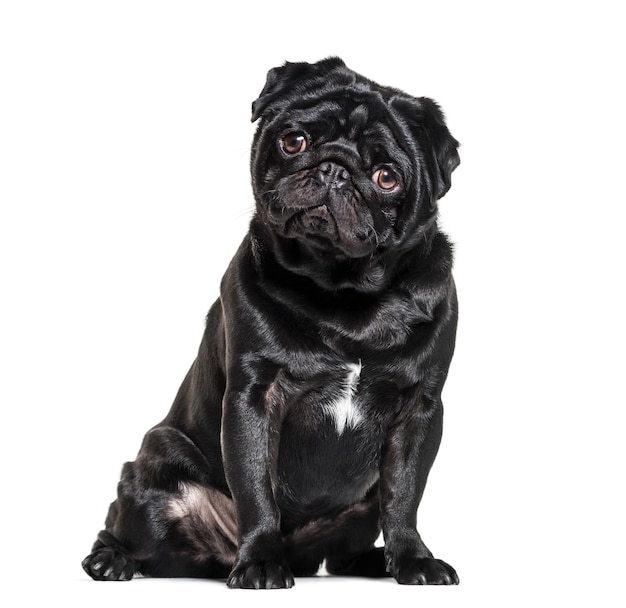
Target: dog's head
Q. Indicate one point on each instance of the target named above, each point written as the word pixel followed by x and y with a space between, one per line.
pixel 345 172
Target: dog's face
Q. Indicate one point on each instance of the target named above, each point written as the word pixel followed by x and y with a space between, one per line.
pixel 344 169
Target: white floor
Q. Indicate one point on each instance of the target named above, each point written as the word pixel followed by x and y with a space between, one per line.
pixel 525 589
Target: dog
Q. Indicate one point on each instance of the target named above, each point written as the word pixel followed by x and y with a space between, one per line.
pixel 310 419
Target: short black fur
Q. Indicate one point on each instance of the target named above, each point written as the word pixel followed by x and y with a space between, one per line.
pixel 312 414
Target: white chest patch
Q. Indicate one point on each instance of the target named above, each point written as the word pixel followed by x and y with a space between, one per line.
pixel 344 410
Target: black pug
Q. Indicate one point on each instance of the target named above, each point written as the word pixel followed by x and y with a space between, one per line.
pixel 312 414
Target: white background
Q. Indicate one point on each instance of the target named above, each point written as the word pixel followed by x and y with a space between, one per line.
pixel 124 191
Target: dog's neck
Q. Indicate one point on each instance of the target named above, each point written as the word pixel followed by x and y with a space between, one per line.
pixel 427 259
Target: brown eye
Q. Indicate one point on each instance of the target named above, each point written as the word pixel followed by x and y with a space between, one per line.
pixel 294 143
pixel 385 178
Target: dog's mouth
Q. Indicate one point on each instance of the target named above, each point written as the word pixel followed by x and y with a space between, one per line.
pixel 316 223
pixel 326 219
pixel 324 230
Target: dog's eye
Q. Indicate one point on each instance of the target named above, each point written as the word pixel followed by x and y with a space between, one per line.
pixel 294 142
pixel 385 178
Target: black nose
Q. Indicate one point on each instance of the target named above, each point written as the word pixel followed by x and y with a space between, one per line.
pixel 332 175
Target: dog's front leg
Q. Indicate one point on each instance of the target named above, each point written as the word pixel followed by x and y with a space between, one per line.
pixel 250 425
pixel 410 449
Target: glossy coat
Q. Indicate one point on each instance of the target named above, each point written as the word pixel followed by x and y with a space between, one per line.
pixel 312 414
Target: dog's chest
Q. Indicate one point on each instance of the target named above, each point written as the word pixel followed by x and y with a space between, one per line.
pixel 330 440
pixel 340 403
pixel 342 408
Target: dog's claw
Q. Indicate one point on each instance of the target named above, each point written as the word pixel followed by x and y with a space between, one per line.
pixel 107 564
pixel 424 571
pixel 261 576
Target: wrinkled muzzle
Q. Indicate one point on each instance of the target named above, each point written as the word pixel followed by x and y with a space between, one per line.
pixel 323 208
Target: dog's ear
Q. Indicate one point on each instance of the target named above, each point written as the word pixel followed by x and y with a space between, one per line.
pixel 288 77
pixel 427 122
pixel 444 146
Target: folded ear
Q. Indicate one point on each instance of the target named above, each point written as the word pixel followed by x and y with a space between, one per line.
pixel 444 146
pixel 285 78
pixel 426 121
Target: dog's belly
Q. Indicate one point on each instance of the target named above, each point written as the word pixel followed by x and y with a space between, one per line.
pixel 329 451
pixel 321 474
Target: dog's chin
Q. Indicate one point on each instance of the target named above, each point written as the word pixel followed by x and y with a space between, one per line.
pixel 318 229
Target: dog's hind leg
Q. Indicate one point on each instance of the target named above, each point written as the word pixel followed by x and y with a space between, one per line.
pixel 128 535
pixel 109 560
pixel 370 563
pixel 345 541
pixel 353 553
pixel 168 519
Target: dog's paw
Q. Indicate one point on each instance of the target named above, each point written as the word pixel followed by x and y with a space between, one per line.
pixel 261 575
pixel 108 564
pixel 423 571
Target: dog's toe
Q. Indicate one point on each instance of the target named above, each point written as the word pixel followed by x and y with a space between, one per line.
pixel 425 571
pixel 107 564
pixel 261 576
